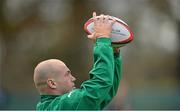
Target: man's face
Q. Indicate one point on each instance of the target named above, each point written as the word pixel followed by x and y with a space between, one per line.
pixel 53 77
pixel 65 80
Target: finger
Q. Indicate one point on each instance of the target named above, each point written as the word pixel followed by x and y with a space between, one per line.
pixel 113 21
pixel 92 36
pixel 89 36
pixel 101 19
pixel 111 17
pixel 106 18
pixel 94 17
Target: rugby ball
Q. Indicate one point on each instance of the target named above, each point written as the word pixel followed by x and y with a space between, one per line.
pixel 121 33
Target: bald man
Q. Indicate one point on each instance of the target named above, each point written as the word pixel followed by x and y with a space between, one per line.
pixel 51 74
pixel 55 83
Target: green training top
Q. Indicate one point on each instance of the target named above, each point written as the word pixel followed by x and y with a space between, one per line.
pixel 95 93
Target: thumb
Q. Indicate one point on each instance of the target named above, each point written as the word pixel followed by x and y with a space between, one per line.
pixel 89 36
pixel 92 36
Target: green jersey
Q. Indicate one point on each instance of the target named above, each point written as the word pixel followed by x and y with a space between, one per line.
pixel 98 91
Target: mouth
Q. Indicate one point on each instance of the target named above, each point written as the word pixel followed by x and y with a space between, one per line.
pixel 73 87
pixel 73 84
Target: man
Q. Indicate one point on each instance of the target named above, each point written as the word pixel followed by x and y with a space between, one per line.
pixel 55 83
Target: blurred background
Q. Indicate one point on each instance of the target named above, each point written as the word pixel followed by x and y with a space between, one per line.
pixel 35 30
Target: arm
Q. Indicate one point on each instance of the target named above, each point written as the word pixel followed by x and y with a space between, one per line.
pixel 96 89
pixel 116 80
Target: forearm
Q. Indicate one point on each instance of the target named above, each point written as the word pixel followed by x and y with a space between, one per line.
pixel 103 63
pixel 116 80
pixel 101 76
pixel 103 67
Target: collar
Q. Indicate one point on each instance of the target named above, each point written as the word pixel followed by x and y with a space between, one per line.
pixel 48 97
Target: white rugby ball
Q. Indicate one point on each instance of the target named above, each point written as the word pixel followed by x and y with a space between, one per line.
pixel 120 35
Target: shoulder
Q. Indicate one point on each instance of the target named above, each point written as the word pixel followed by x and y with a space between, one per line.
pixel 70 100
pixel 72 95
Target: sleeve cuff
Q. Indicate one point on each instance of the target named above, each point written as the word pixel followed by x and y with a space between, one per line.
pixel 103 41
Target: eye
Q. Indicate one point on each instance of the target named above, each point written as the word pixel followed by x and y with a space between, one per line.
pixel 68 73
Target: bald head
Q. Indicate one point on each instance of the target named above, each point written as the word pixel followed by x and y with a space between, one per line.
pixel 53 77
pixel 47 69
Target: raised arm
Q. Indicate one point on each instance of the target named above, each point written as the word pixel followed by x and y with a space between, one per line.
pixel 116 80
pixel 98 86
pixel 101 76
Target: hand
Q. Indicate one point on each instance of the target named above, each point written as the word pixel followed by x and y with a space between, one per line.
pixel 102 26
pixel 116 49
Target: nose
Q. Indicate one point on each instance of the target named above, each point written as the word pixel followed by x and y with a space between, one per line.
pixel 73 78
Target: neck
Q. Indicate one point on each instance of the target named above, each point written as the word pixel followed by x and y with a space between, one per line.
pixel 48 91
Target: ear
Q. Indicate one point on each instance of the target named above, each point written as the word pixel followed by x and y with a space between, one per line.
pixel 51 83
